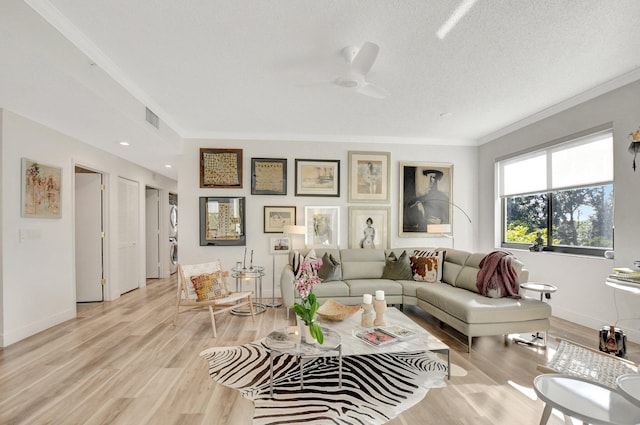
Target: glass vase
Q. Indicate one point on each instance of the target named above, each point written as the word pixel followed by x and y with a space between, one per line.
pixel 305 333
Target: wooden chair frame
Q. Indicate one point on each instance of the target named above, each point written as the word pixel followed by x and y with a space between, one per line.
pixel 187 297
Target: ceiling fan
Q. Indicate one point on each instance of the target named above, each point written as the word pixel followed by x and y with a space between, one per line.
pixel 360 60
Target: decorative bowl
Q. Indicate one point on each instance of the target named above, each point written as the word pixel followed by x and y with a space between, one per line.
pixel 333 310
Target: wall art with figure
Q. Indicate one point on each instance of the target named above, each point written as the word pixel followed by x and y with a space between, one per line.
pixel 426 196
pixel 323 226
pixel 369 227
pixel 41 189
pixel 369 176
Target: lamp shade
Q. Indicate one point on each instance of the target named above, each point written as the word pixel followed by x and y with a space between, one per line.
pixel 292 229
pixel 438 228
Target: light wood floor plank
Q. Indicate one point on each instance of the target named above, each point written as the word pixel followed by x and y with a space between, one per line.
pixel 123 362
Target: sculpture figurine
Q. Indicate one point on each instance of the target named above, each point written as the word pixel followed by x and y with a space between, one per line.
pixel 538 244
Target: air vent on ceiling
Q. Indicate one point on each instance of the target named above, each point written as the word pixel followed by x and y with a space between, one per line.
pixel 152 118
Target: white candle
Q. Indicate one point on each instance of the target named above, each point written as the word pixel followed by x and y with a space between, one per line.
pixel 367 298
pixel 379 295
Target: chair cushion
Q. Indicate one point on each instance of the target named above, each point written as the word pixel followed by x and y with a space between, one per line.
pixel 397 268
pixel 210 286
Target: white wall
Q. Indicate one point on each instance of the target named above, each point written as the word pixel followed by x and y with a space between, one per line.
pixel 38 273
pixel 464 161
pixel 582 296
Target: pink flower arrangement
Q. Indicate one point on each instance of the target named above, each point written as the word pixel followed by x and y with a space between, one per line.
pixel 306 277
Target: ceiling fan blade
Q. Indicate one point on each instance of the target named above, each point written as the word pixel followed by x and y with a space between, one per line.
pixel 365 58
pixel 370 90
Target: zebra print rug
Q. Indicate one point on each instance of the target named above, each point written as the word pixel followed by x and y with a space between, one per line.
pixel 375 388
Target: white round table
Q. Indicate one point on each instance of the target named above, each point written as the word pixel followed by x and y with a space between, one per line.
pixel 543 288
pixel 585 400
pixel 629 386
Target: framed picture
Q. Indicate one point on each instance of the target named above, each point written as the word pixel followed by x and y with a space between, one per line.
pixel 369 176
pixel 275 218
pixel 425 199
pixel 319 177
pixel 222 221
pixel 279 245
pixel 41 186
pixel 369 227
pixel 268 176
pixel 323 227
pixel 221 168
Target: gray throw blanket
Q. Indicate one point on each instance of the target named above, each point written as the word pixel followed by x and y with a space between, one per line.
pixel 496 277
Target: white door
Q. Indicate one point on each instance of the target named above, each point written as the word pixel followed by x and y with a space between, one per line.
pixel 152 232
pixel 128 234
pixel 88 230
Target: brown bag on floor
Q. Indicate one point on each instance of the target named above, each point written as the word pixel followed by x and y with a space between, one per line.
pixel 613 341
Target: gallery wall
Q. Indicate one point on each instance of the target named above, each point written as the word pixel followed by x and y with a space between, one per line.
pixel 463 159
pixel 582 296
pixel 37 283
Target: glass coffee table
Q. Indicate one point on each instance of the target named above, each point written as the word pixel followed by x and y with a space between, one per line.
pixel 340 340
pixel 419 340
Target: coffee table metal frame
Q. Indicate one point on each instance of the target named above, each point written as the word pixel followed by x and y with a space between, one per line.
pixel 303 351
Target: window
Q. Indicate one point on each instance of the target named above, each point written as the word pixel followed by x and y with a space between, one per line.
pixel 563 194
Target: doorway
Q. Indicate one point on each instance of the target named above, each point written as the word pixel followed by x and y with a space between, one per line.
pixel 89 236
pixel 152 232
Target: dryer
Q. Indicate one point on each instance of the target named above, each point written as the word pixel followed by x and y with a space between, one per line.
pixel 173 221
pixel 173 255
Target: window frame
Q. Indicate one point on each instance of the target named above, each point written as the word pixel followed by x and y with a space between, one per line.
pixel 548 150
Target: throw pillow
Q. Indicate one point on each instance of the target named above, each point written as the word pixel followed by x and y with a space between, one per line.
pixel 397 268
pixel 298 258
pixel 330 268
pixel 426 265
pixel 210 286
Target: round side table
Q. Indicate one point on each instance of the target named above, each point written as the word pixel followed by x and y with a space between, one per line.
pixel 254 273
pixel 545 290
pixel 585 400
pixel 629 386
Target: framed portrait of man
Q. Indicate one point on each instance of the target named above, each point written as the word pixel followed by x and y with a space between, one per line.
pixel 426 190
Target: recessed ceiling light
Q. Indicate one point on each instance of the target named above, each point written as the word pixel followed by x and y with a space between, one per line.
pixel 167 166
pixel 446 115
pixel 124 143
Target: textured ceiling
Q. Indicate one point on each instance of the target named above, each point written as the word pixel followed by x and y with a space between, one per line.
pixel 263 69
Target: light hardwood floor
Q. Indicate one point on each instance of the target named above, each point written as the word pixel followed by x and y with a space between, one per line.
pixel 123 362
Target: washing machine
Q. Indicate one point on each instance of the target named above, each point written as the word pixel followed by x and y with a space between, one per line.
pixel 173 238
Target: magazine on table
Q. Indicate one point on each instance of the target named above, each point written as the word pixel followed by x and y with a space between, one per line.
pixel 397 331
pixel 375 337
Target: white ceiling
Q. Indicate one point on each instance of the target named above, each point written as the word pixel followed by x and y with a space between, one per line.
pixel 246 69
